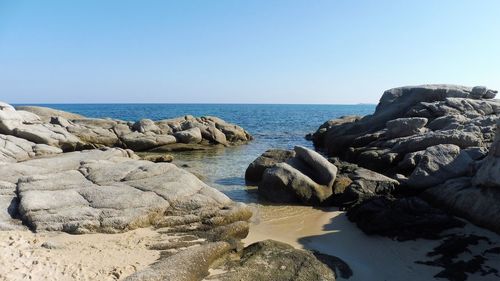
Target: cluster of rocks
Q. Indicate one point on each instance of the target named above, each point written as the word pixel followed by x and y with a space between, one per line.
pixel 43 127
pixel 427 155
pixel 304 176
pixel 437 141
pixel 51 181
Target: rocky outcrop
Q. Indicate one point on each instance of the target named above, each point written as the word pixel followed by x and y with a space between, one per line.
pixel 434 139
pixel 107 191
pixel 409 120
pixel 14 149
pixel 305 176
pixel 72 132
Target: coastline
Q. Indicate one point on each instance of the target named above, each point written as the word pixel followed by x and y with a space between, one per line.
pixel 374 258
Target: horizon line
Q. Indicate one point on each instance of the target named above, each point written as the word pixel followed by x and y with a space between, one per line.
pixel 183 103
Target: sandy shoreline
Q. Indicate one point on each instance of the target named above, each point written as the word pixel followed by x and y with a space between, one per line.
pixel 115 256
pixel 370 257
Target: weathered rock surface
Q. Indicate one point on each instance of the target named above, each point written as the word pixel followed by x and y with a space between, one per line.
pixel 435 140
pixel 439 163
pixel 14 149
pixel 403 219
pixel 46 114
pixel 304 176
pixel 409 120
pixel 106 191
pixel 275 261
pixel 256 169
pixel 308 178
pixel 71 132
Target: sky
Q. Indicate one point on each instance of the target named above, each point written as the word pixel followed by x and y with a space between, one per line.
pixel 236 51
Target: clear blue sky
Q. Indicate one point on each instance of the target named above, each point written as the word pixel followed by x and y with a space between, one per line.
pixel 267 51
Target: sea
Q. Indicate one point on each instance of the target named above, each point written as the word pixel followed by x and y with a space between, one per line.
pixel 272 126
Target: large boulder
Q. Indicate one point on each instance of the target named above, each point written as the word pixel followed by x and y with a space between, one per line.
pixel 192 135
pixel 308 178
pixel 255 170
pixel 283 183
pixel 271 260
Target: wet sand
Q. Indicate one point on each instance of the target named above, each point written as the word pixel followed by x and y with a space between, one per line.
pixel 370 257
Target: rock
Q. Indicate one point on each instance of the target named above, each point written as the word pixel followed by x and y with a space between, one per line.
pixel 188 265
pixel 8 206
pixel 403 219
pixel 13 149
pixel 319 136
pixel 284 184
pixel 318 168
pixel 488 174
pixel 255 170
pixel 271 260
pixel 456 115
pixel 192 135
pixel 143 142
pixel 438 164
pixel 354 183
pixel 307 177
pixel 26 126
pixel 146 125
pixel 461 197
pixel 46 113
pixel 110 191
pixel 158 158
pixel 51 245
pixel 402 127
pixel 75 132
pixel 232 132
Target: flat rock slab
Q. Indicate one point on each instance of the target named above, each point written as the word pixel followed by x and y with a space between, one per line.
pixel 103 191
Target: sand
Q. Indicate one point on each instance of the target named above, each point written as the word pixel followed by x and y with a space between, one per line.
pixel 370 257
pixel 74 257
pixel 115 256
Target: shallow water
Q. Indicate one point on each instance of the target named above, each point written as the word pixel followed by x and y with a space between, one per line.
pixel 273 126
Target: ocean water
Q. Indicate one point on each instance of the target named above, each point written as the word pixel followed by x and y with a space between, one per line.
pixel 272 126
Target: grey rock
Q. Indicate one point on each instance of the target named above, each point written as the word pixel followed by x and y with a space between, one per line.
pixel 188 265
pixel 146 125
pixel 192 135
pixel 142 142
pixel 109 191
pixel 402 127
pixel 46 114
pixel 14 149
pixel 284 183
pixel 256 169
pixel 75 132
pixel 461 197
pixel 488 174
pixel 438 164
pixel 271 260
pixel 322 171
